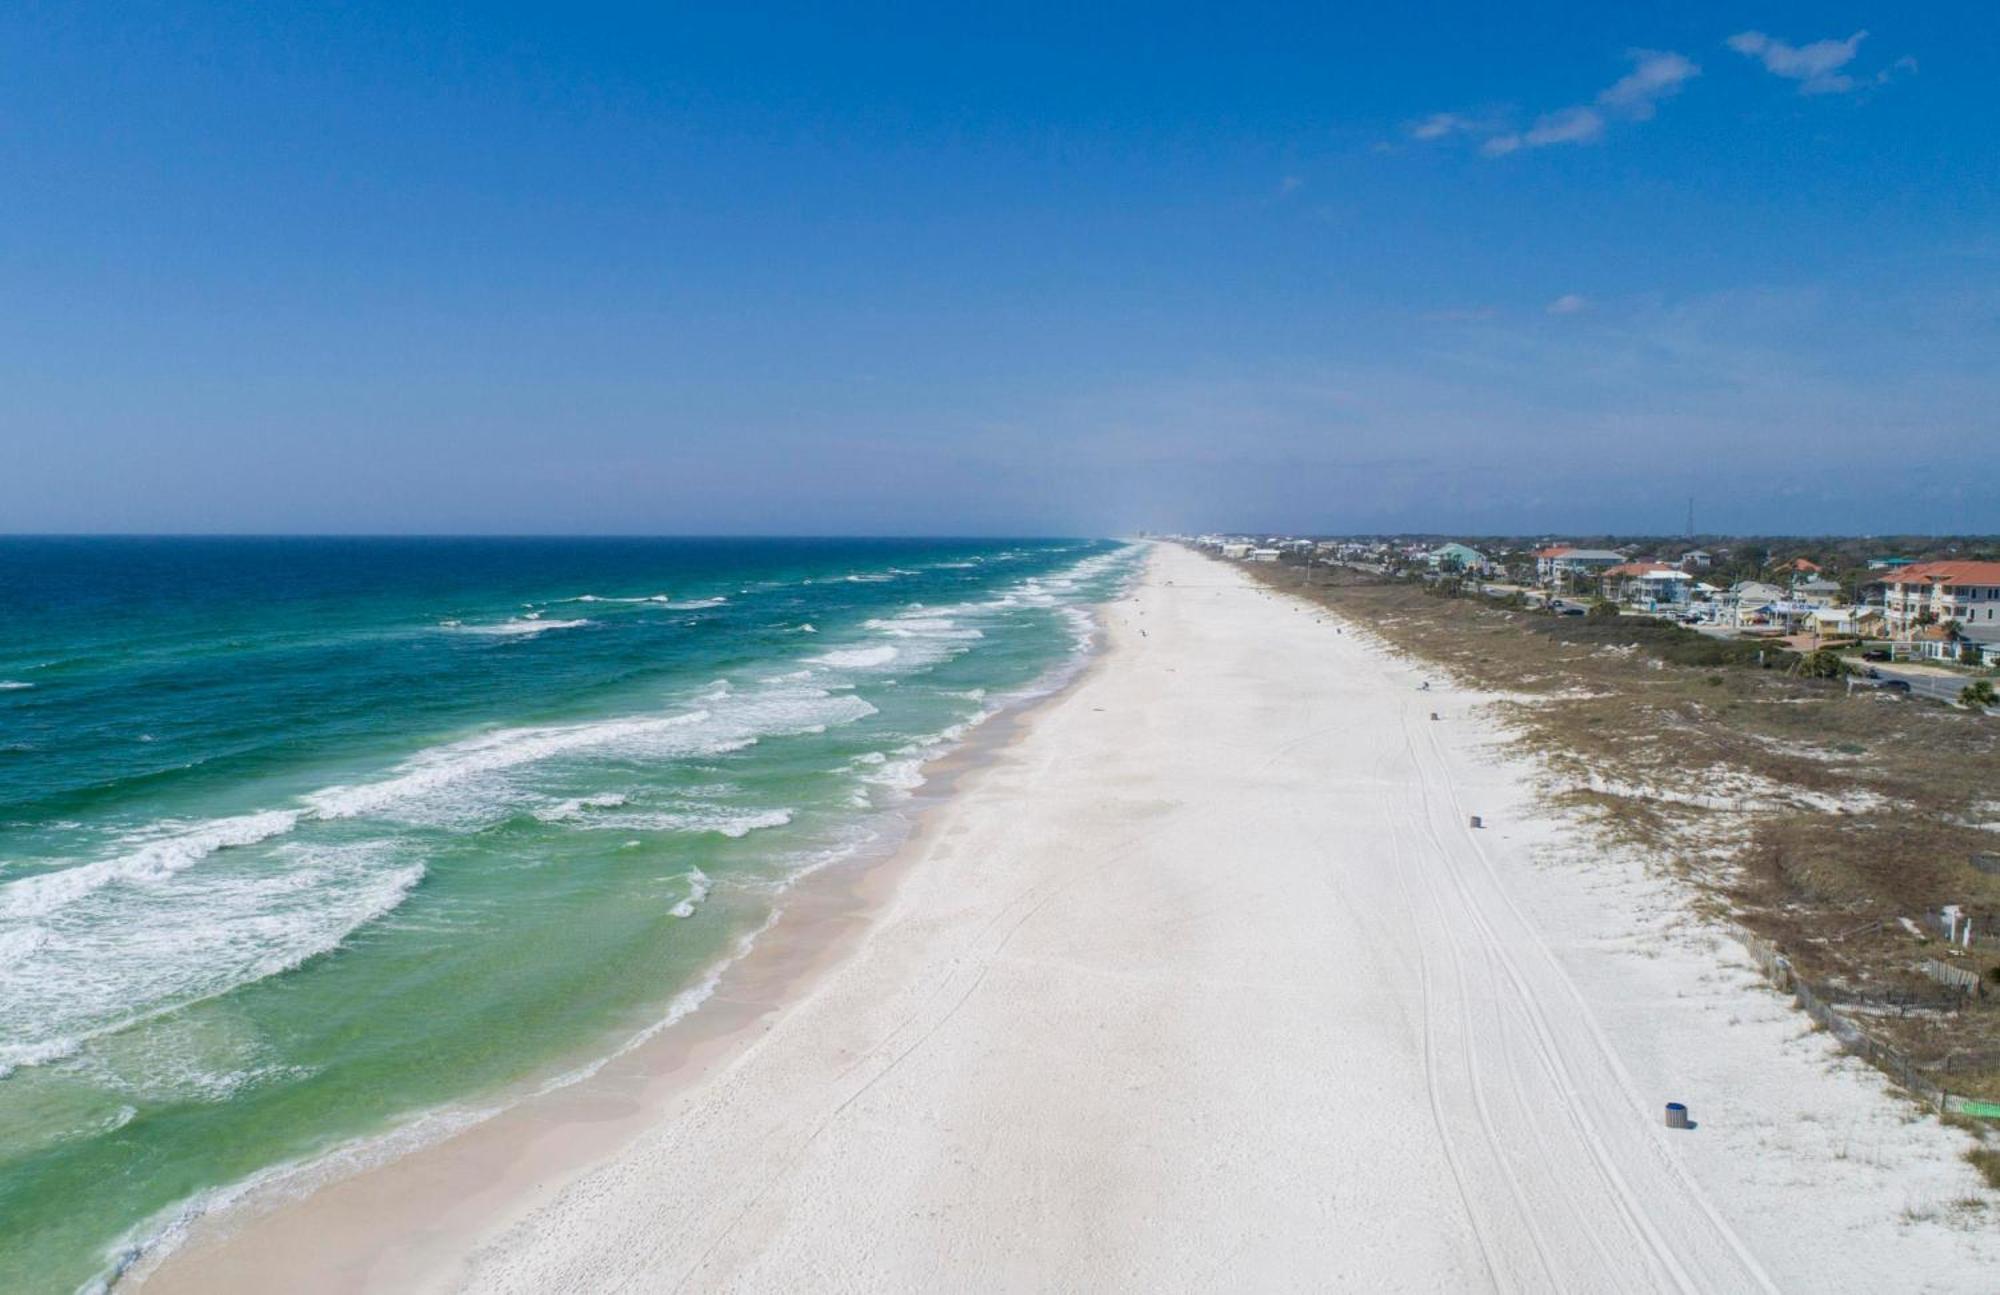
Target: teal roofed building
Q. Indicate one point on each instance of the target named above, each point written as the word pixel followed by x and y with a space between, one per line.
pixel 1456 557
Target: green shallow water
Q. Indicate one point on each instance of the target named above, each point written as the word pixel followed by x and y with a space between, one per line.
pixel 304 842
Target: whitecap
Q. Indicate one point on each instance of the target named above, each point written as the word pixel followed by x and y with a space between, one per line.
pixel 700 821
pixel 564 810
pixel 149 857
pixel 698 887
pixel 118 956
pixel 9 685
pixel 523 625
pixel 858 658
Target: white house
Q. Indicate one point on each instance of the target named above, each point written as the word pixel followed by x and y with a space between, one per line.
pixel 1752 603
pixel 1652 585
pixel 1563 567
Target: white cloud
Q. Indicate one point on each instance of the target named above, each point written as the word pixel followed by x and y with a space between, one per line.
pixel 1816 67
pixel 1437 125
pixel 1905 65
pixel 1655 75
pixel 1577 125
pixel 1566 126
pixel 1658 74
pixel 1568 304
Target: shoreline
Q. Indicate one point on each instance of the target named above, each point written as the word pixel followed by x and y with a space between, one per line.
pixel 581 1110
pixel 1200 977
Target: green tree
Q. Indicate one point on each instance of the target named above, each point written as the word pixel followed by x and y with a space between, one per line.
pixel 1979 695
pixel 1603 607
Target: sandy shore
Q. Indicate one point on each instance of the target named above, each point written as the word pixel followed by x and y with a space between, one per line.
pixel 1201 981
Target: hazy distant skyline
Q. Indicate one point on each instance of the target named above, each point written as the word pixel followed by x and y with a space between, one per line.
pixel 610 269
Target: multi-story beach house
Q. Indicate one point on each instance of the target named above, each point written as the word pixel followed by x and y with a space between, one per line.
pixel 1563 567
pixel 1652 585
pixel 1457 557
pixel 1815 591
pixel 1933 595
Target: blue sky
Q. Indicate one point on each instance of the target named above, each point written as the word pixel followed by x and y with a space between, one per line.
pixel 590 268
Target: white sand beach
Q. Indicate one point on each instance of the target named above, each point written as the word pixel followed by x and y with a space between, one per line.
pixel 1201 981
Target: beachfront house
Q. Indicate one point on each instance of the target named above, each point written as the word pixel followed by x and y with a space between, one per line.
pixel 1565 568
pixel 1934 609
pixel 1654 586
pixel 1263 555
pixel 1236 551
pixel 1457 557
pixel 1815 591
pixel 1750 604
pixel 1846 621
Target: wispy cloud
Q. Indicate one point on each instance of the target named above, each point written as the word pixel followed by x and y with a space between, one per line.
pixel 1655 75
pixel 1437 125
pixel 1569 303
pixel 1818 67
pixel 1578 125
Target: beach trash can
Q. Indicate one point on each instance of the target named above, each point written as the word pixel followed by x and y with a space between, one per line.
pixel 1677 1116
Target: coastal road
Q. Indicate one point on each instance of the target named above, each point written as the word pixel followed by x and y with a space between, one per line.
pixel 1201 980
pixel 1936 685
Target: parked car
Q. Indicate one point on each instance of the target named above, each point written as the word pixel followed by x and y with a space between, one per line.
pixel 1875 654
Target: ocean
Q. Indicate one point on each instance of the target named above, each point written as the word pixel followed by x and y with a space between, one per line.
pixel 308 844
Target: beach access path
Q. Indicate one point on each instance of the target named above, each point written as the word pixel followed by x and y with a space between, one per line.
pixel 1204 982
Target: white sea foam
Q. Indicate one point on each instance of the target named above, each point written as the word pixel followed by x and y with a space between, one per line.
pixel 564 810
pixel 935 627
pixel 466 783
pixel 866 658
pixel 120 955
pixel 696 820
pixel 8 685
pixel 522 625
pixel 147 859
pixel 698 886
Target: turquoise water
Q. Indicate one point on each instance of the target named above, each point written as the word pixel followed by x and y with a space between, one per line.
pixel 304 840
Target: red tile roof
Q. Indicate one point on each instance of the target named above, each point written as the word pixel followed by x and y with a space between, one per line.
pixel 1946 573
